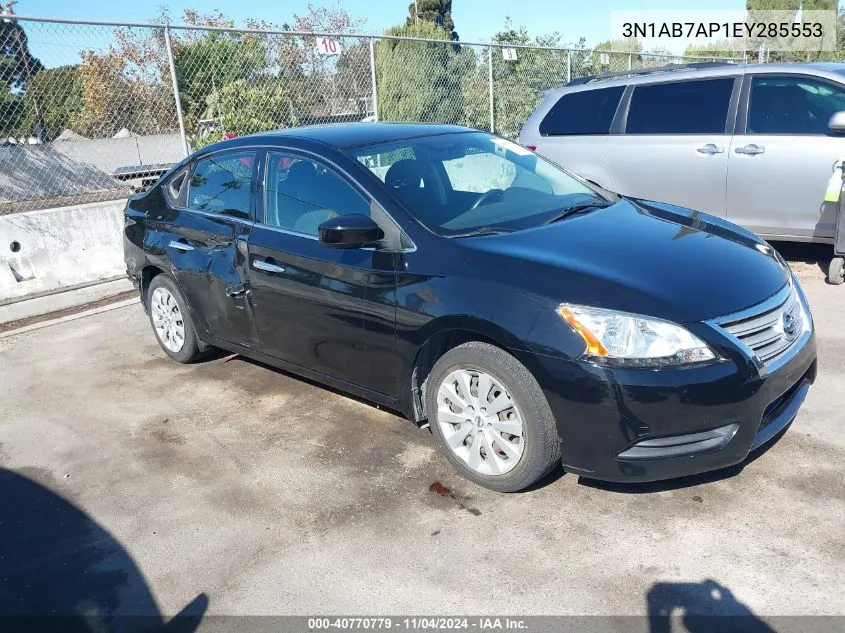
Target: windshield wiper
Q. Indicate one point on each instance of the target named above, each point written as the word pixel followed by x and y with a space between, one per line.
pixel 579 207
pixel 484 230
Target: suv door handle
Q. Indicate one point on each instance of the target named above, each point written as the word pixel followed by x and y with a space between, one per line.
pixel 710 148
pixel 260 264
pixel 750 150
pixel 180 246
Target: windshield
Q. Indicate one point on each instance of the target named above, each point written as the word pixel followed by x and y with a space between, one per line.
pixel 473 182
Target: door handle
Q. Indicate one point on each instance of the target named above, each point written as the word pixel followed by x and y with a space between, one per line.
pixel 750 150
pixel 180 246
pixel 260 264
pixel 710 148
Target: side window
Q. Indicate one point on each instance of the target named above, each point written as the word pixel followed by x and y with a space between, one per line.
pixel 221 184
pixel 680 107
pixel 792 105
pixel 585 112
pixel 301 194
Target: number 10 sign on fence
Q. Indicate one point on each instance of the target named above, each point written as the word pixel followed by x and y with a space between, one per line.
pixel 327 46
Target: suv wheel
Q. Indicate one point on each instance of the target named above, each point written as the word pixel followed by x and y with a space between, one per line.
pixel 836 271
pixel 491 418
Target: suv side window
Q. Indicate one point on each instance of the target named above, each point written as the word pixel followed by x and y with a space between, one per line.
pixel 792 105
pixel 221 183
pixel 583 112
pixel 301 194
pixel 680 107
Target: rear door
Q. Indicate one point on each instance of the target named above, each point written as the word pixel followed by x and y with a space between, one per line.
pixel 783 156
pixel 328 310
pixel 206 242
pixel 573 131
pixel 674 145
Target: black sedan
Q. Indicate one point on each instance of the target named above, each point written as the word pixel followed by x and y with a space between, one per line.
pixel 453 275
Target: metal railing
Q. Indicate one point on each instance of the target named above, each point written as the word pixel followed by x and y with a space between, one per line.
pixel 93 109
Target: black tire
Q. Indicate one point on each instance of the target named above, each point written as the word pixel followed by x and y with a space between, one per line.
pixel 191 349
pixel 541 451
pixel 836 271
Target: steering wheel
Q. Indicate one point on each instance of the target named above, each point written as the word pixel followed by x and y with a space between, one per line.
pixel 487 197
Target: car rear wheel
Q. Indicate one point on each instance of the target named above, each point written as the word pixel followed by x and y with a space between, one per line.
pixel 491 418
pixel 170 320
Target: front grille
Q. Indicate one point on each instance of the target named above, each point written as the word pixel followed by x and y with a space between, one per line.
pixel 771 328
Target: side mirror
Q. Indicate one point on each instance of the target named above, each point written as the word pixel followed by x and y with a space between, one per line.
pixel 836 124
pixel 349 231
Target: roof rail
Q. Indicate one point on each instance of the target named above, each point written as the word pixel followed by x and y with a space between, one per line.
pixel 647 71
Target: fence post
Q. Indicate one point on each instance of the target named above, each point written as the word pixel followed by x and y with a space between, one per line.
pixel 490 86
pixel 175 89
pixel 373 78
pixel 630 60
pixel 568 66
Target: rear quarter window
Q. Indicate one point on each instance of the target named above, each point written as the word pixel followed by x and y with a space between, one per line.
pixel 583 112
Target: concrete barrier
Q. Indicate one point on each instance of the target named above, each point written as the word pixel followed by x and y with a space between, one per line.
pixel 51 249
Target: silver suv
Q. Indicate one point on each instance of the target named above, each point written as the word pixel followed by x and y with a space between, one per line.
pixel 756 144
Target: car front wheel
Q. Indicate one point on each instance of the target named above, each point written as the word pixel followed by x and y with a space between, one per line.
pixel 491 418
pixel 171 321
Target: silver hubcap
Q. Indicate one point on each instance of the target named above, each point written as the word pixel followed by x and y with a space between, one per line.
pixel 480 421
pixel 167 320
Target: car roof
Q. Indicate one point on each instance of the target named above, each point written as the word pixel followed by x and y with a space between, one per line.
pixel 703 71
pixel 346 135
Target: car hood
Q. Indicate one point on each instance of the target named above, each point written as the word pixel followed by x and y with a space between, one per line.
pixel 639 256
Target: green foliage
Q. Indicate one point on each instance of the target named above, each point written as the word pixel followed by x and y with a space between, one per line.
pixel 207 64
pixel 250 107
pixel 421 81
pixel 518 85
pixel 17 70
pixel 11 111
pixel 53 100
pixel 438 12
pixel 17 65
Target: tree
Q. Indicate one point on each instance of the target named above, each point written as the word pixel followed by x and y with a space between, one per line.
pixel 250 107
pixel 518 85
pixel 208 63
pixel 53 101
pixel 18 67
pixel 437 12
pixel 420 81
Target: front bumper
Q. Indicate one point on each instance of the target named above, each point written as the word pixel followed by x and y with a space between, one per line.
pixel 644 425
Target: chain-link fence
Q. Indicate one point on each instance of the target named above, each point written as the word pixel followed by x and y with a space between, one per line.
pixel 91 111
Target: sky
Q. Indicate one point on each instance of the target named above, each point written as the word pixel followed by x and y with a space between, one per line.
pixel 475 20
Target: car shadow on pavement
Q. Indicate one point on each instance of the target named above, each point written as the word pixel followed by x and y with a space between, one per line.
pixel 704 607
pixel 60 570
pixel 683 482
pixel 814 254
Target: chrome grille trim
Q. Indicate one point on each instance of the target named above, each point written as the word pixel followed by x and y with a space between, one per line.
pixel 760 329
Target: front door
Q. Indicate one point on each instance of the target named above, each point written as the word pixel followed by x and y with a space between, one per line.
pixel 780 164
pixel 206 240
pixel 328 310
pixel 675 144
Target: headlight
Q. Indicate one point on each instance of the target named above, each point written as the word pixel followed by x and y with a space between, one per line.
pixel 806 315
pixel 631 340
